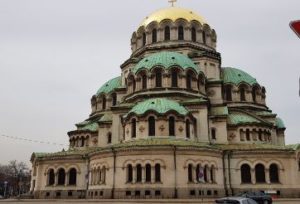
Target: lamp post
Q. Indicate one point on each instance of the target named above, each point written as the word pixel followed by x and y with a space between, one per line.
pixel 5 185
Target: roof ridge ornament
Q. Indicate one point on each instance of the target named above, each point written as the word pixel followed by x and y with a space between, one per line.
pixel 172 2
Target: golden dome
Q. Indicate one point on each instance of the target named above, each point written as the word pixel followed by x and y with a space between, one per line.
pixel 172 13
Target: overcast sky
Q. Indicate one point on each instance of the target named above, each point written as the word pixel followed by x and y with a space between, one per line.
pixel 55 54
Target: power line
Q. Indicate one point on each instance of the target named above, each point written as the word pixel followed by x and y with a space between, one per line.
pixel 32 141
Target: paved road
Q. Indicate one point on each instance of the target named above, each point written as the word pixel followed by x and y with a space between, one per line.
pixel 282 201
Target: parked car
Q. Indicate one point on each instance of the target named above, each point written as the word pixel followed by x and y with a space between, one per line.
pixel 235 200
pixel 258 196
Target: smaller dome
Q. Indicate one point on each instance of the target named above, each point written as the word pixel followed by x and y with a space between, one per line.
pixel 158 105
pixel 279 123
pixel 110 85
pixel 166 60
pixel 172 13
pixel 237 76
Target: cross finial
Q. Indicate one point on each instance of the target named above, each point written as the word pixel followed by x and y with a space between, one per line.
pixel 172 2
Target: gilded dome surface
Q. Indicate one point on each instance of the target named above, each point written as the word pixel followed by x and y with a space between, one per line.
pixel 172 13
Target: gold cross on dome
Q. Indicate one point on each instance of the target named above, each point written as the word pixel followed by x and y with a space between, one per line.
pixel 172 2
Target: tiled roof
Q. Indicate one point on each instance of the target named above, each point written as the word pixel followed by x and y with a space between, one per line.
pixel 237 118
pixel 166 60
pixel 237 76
pixel 158 105
pixel 107 117
pixel 110 86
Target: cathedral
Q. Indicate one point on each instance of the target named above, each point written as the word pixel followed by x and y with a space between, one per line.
pixel 173 124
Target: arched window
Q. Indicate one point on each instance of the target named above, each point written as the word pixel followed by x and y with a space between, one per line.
pixel 242 94
pixel 201 83
pixel 51 177
pixel 247 134
pixel 167 33
pixel 154 36
pixel 171 126
pixel 205 174
pixel 129 173
pixel 133 85
pixel 138 173
pixel 212 174
pixel 260 135
pixel 274 177
pixel 72 176
pixel 213 134
pixel 187 128
pixel 61 177
pixel 151 126
pixel 188 80
pixel 109 138
pixel 190 173
pixel 157 173
pixel 228 93
pixel 174 78
pixel 254 94
pixel 133 128
pixel 299 165
pixel 144 39
pixel 82 141
pixel 245 173
pixel 204 37
pixel 194 35
pixel 144 81
pixel 103 177
pixel 148 173
pixel 260 173
pixel 199 173
pixel 158 78
pixel 103 103
pixel 114 99
pixel 180 33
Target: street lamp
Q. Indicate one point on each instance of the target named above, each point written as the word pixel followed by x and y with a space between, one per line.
pixel 5 185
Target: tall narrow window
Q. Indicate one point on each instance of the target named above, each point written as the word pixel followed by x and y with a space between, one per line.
pixel 72 176
pixel 228 93
pixel 180 33
pixel 174 78
pixel 103 103
pixel 254 94
pixel 205 174
pixel 151 126
pixel 187 128
pixel 157 173
pixel 212 174
pixel 129 173
pixel 114 99
pixel 144 81
pixel 138 173
pixel 171 126
pixel 167 33
pixel 51 178
pixel 133 128
pixel 243 94
pixel 154 36
pixel 148 173
pixel 274 178
pixel 133 85
pixel 109 138
pixel 144 39
pixel 199 173
pixel 260 173
pixel 260 135
pixel 194 35
pixel 190 173
pixel 213 134
pixel 188 80
pixel 247 134
pixel 158 78
pixel 245 173
pixel 204 37
pixel 61 177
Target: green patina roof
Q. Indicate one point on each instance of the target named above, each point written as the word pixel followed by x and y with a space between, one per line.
pixel 110 86
pixel 252 147
pixel 294 146
pixel 237 118
pixel 265 113
pixel 158 105
pixel 91 126
pixel 237 76
pixel 107 117
pixel 223 110
pixel 279 123
pixel 166 60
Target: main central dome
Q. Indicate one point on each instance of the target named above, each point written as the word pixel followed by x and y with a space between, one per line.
pixel 172 13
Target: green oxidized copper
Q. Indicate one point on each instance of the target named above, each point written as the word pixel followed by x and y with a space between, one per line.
pixel 110 86
pixel 237 76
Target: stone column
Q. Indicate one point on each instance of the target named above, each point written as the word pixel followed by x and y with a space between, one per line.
pixel 253 180
pixel 194 174
pixel 55 179
pixel 208 175
pixel 143 174
pixel 133 174
pixel 152 174
pixel 67 179
pixel 267 175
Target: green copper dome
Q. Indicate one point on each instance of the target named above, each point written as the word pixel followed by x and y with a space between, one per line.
pixel 279 123
pixel 110 86
pixel 237 76
pixel 166 60
pixel 158 105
